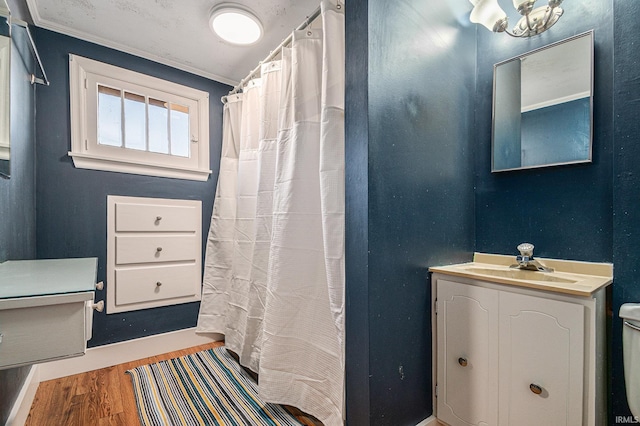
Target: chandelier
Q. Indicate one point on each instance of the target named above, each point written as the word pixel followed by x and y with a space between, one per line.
pixel 533 21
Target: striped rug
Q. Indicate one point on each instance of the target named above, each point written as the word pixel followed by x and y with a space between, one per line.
pixel 205 388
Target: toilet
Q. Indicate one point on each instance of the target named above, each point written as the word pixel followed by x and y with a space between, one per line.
pixel 630 314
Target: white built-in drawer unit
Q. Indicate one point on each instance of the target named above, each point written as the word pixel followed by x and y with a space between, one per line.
pixel 154 252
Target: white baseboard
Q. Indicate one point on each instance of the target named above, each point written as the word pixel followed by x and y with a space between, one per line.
pixel 429 421
pixel 101 357
pixel 20 410
pixel 121 352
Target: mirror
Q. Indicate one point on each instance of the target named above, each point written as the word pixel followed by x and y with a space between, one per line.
pixel 5 73
pixel 542 106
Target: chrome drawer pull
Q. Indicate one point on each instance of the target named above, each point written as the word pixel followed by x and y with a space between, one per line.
pixel 632 326
pixel 535 388
pixel 462 361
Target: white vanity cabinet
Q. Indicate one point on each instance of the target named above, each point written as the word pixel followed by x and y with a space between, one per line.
pixel 508 354
pixel 46 308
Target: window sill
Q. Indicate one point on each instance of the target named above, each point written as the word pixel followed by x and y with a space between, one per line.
pixel 85 161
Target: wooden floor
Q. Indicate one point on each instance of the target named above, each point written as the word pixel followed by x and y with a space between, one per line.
pixel 100 397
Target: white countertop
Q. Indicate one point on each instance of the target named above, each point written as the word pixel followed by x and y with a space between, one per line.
pixel 569 277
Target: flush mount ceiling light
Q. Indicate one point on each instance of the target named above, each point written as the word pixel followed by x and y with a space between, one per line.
pixel 235 24
pixel 533 21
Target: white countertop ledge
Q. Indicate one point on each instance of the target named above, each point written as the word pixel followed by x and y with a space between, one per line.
pixel 581 278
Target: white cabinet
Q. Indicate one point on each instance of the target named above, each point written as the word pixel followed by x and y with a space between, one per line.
pixel 515 356
pixel 154 252
pixel 467 373
pixel 541 361
pixel 45 309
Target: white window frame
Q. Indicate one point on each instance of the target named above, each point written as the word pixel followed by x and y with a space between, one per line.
pixel 84 77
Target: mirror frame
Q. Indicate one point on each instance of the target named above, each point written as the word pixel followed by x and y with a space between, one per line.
pixel 590 35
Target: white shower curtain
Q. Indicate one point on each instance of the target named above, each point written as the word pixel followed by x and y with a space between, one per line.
pixel 274 271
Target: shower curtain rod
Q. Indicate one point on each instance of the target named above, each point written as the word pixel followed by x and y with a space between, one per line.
pixel 273 53
pixel 34 52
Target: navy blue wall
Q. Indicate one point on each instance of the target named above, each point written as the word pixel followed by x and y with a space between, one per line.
pixel 565 211
pixel 356 213
pixel 17 194
pixel 626 184
pixel 409 194
pixel 71 214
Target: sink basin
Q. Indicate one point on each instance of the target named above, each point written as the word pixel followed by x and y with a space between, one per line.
pixel 521 274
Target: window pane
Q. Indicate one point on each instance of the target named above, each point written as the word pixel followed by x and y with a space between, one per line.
pixel 109 116
pixel 158 126
pixel 180 130
pixel 135 120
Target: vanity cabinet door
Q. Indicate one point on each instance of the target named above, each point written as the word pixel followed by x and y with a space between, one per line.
pixel 467 329
pixel 541 361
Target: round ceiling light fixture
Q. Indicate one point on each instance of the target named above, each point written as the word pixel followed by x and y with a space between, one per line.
pixel 235 24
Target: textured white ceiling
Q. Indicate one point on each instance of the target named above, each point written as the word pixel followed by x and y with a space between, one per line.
pixel 172 32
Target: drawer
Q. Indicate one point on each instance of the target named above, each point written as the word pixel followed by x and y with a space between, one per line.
pixel 138 285
pixel 34 334
pixel 152 248
pixel 131 217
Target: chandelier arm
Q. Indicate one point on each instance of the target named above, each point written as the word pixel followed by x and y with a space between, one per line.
pixel 528 22
pixel 510 33
pixel 548 14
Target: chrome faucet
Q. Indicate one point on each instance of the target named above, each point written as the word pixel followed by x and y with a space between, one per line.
pixel 526 261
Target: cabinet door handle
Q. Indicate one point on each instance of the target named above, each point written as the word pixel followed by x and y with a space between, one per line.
pixel 158 284
pixel 159 249
pixel 158 218
pixel 535 388
pixel 462 361
pixel 98 306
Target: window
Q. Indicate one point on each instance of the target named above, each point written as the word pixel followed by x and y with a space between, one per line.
pixel 129 122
